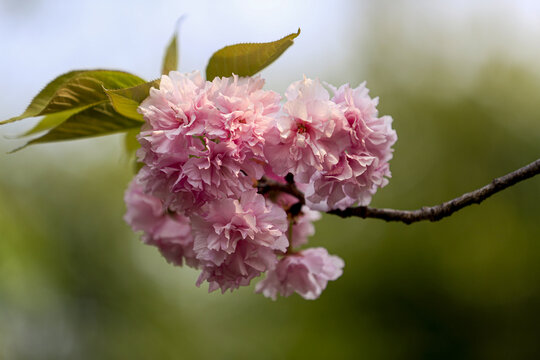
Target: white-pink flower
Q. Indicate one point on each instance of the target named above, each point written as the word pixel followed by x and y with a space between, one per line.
pixel 169 232
pixel 353 180
pixel 306 273
pixel 204 140
pixel 339 148
pixel 236 240
pixel 363 166
pixel 178 104
pixel 309 135
pixel 239 268
pixel 244 112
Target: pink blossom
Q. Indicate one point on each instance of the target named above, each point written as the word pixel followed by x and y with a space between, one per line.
pixel 306 272
pixel 177 105
pixel 369 133
pixel 203 140
pixel 236 240
pixel 213 175
pixel 239 268
pixel 169 232
pixel 244 113
pixel 363 166
pixel 308 137
pixel 353 180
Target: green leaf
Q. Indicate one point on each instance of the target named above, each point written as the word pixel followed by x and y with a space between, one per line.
pixel 170 60
pixel 41 100
pixel 98 120
pixel 246 59
pixel 50 121
pixel 126 101
pixel 95 121
pixel 77 90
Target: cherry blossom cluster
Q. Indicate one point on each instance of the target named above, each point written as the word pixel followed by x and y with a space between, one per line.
pixel 206 147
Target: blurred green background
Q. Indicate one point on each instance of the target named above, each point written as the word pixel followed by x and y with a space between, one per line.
pixel 462 82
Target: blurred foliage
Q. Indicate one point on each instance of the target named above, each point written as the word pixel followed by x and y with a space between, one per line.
pixel 76 283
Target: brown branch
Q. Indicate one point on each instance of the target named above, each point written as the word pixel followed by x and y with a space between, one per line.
pixel 432 213
pixel 438 212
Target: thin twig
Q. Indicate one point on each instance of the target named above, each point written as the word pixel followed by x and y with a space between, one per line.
pixel 432 213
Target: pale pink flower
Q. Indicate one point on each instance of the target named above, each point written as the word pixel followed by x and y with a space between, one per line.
pixel 309 136
pixel 306 273
pixel 353 180
pixel 239 268
pixel 177 104
pixel 236 240
pixel 368 131
pixel 214 175
pixel 244 112
pixel 363 166
pixel 169 232
pixel 203 140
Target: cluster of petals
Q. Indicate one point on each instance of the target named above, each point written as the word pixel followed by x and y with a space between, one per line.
pixel 169 232
pixel 306 273
pixel 237 240
pixel 306 136
pixel 206 145
pixel 204 140
pixel 337 146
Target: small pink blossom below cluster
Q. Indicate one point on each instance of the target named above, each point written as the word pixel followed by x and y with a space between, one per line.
pixel 206 147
